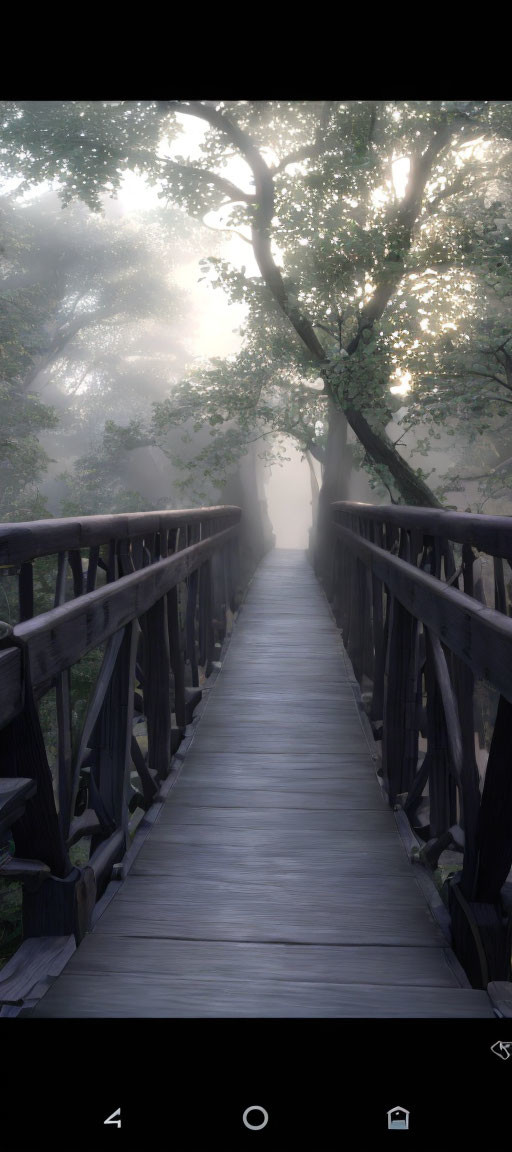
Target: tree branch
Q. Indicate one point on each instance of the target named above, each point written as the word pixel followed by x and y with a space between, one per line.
pixel 456 186
pixel 232 191
pixel 294 158
pixel 404 219
pixel 228 231
pixel 326 329
pixel 499 468
pixel 262 218
pixel 378 445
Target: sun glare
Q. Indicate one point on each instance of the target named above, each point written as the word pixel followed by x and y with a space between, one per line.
pixel 404 383
pixel 400 169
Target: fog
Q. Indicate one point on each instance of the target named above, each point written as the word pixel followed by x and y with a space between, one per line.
pixel 288 492
pixel 121 313
pixel 122 367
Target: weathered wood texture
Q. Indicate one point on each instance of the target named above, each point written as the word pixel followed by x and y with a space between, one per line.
pixel 492 534
pixel 151 564
pixel 439 640
pixel 22 542
pixel 274 881
pixel 56 639
pixel 11 698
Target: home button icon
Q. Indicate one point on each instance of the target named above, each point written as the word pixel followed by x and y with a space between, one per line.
pixel 398 1118
pixel 255 1117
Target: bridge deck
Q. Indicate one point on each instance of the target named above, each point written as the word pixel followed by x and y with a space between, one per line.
pixel 274 882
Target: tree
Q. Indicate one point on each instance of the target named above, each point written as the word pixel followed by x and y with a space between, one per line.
pixel 90 318
pixel 323 187
pixel 466 380
pixel 346 286
pixel 23 315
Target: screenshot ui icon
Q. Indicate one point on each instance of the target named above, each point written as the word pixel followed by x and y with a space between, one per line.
pixel 255 1117
pixel 398 1118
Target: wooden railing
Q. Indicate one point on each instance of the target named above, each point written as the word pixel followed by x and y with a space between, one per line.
pixel 408 587
pixel 151 595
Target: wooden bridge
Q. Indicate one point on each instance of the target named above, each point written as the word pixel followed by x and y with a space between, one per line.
pixel 249 818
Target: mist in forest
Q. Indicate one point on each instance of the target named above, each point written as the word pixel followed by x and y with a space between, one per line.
pixel 116 369
pixel 288 492
pixel 108 314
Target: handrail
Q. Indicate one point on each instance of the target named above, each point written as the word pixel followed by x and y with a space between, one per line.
pixel 29 539
pixel 55 640
pixel 168 586
pixel 420 636
pixel 481 636
pixel 492 534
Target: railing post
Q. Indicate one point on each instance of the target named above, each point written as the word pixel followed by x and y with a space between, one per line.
pixel 464 684
pixel 379 634
pixel 233 572
pixel 400 722
pixel 339 582
pixel 351 629
pixel 442 789
pixel 58 898
pixel 49 906
pixel 460 647
pixel 192 587
pixel 23 753
pixel 175 645
pixel 205 610
pixel 109 777
pixel 480 929
pixel 26 591
pixel 157 688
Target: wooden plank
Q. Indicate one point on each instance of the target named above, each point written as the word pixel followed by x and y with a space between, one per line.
pixel 38 958
pixel 280 715
pixel 358 791
pixel 307 818
pixel 200 846
pixel 253 739
pixel 251 798
pixel 273 882
pixel 314 963
pixel 281 920
pixel 295 886
pixel 235 692
pixel 72 996
pixel 354 872
pixel 355 764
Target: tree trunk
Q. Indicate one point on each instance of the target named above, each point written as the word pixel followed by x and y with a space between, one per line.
pixel 315 494
pixel 381 449
pixel 335 485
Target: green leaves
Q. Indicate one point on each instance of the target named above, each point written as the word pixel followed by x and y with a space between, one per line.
pixel 426 284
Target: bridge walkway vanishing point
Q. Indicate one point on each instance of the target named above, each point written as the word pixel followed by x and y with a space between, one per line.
pixel 274 881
